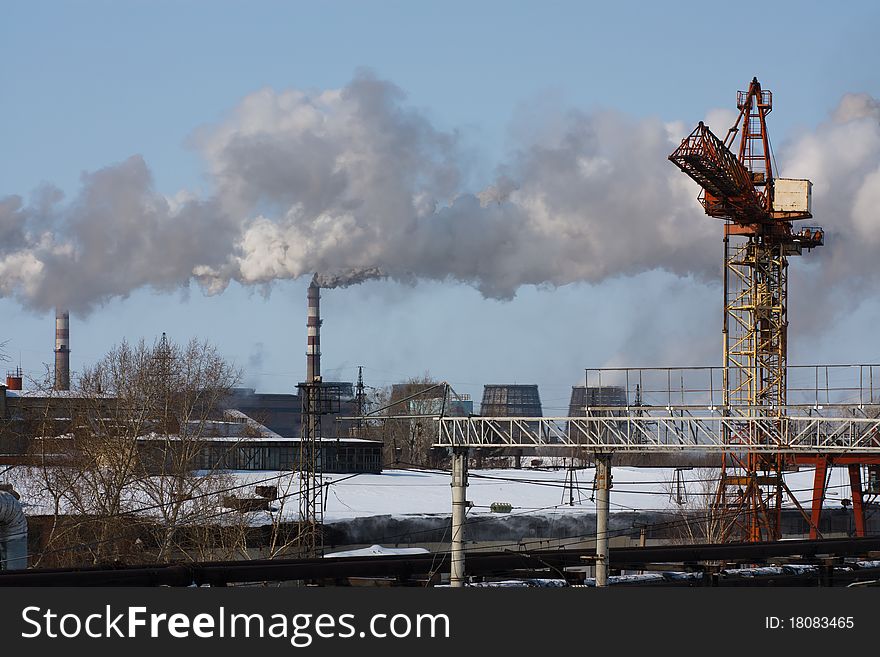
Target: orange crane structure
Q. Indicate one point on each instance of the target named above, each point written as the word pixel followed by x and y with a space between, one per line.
pixel 758 432
pixel 758 209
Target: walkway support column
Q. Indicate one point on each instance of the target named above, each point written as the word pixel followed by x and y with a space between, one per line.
pixel 603 487
pixel 459 508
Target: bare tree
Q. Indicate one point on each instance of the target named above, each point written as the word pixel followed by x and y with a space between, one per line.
pixel 697 518
pixel 133 476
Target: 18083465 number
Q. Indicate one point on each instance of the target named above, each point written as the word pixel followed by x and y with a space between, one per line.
pixel 821 622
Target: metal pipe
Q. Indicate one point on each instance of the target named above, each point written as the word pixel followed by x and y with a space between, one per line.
pixel 459 507
pixel 479 563
pixel 13 533
pixel 62 349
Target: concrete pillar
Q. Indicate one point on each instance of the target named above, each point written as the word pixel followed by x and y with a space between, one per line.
pixel 459 507
pixel 603 487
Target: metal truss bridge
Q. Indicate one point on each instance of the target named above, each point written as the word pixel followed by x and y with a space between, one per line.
pixel 669 430
pixel 833 409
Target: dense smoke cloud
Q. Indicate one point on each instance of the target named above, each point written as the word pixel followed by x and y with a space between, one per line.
pixel 116 236
pixel 352 180
pixel 354 184
pixel 842 158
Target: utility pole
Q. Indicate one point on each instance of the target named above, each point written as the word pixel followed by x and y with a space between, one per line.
pixel 459 508
pixel 313 395
pixel 603 486
pixel 570 484
pixel 360 398
pixel 361 392
pixel 310 539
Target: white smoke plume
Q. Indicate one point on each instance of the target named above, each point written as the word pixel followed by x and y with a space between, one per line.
pixel 116 236
pixel 842 158
pixel 352 180
pixel 354 184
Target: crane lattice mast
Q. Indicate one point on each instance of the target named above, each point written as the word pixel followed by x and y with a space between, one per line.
pixel 758 210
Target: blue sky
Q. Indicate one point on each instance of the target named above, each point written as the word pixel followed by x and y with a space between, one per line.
pixel 88 84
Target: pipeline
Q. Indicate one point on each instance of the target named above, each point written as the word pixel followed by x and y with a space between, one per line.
pixel 221 573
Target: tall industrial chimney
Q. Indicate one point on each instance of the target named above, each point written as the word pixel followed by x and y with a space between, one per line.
pixel 313 324
pixel 62 349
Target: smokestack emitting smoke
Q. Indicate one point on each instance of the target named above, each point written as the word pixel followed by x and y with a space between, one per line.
pixel 62 350
pixel 352 180
pixel 313 324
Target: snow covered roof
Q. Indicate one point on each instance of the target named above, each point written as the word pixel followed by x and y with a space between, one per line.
pixel 57 394
pixel 272 437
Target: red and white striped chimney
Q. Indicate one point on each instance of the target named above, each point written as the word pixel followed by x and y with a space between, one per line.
pixel 62 349
pixel 313 325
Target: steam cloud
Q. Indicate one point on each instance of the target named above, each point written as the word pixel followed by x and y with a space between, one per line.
pixel 354 184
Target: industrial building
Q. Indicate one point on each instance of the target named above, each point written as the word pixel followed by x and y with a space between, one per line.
pixel 248 430
pixel 429 399
pixel 343 456
pixel 236 441
pixel 282 412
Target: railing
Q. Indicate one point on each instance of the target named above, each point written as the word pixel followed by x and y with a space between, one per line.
pixel 671 432
pixel 807 385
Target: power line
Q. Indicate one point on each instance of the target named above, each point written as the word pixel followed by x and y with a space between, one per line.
pixel 444 526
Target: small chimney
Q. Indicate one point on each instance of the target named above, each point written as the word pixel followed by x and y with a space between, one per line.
pixel 13 379
pixel 313 325
pixel 62 350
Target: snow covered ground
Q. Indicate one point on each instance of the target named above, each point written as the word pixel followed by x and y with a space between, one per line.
pixel 408 492
pixel 419 493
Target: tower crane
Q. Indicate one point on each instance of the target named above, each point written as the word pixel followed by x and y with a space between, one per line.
pixel 758 208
